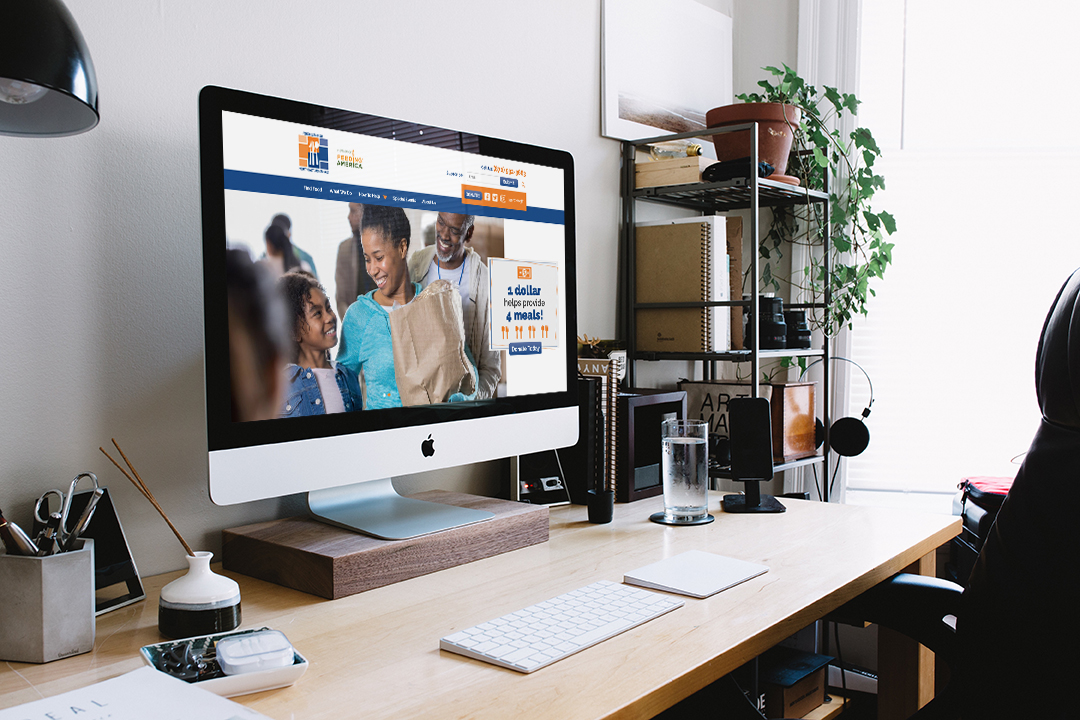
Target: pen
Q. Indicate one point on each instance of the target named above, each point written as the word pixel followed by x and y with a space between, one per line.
pixel 16 541
pixel 50 541
pixel 83 521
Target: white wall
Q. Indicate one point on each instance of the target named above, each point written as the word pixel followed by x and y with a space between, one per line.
pixel 101 232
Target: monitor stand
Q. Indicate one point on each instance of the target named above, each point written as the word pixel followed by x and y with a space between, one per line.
pixel 375 508
pixel 753 501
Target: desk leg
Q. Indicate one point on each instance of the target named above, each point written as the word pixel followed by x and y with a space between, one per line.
pixel 905 668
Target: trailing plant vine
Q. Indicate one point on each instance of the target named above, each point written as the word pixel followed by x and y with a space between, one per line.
pixel 858 233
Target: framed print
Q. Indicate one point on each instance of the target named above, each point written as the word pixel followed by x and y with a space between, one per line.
pixel 663 66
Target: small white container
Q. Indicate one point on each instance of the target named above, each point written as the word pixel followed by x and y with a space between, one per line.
pixel 254 652
pixel 233 685
pixel 200 602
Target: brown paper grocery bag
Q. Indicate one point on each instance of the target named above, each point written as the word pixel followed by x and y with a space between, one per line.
pixel 428 335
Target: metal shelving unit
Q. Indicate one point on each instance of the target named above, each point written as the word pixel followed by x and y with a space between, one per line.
pixel 751 193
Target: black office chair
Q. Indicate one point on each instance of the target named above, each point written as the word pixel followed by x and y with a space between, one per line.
pixel 1016 649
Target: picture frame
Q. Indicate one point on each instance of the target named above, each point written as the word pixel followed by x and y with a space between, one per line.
pixel 638 453
pixel 646 49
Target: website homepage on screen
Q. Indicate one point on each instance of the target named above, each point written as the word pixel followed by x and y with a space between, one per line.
pixel 411 274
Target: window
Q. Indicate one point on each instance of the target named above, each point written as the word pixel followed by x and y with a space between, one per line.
pixel 973 106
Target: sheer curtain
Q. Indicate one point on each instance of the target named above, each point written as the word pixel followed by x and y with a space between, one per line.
pixel 974 108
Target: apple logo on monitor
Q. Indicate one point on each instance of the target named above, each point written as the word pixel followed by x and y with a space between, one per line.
pixel 428 447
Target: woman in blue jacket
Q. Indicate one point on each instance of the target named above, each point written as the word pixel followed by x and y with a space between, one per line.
pixel 366 344
pixel 314 384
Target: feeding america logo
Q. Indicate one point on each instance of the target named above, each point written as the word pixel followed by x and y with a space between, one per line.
pixel 314 153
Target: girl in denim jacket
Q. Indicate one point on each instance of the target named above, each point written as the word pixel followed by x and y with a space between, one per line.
pixel 314 384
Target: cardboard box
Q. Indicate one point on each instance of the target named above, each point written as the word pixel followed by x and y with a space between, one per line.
pixel 791 404
pixel 673 171
pixel 794 682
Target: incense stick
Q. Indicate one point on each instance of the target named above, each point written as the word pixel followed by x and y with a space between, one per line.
pixel 142 488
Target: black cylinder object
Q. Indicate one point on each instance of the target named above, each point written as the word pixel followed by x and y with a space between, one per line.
pixel 798 332
pixel 601 506
pixel 772 330
pixel 174 622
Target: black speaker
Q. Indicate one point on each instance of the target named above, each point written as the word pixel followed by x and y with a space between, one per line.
pixel 583 462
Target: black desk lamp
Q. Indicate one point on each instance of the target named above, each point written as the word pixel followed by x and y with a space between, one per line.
pixel 750 427
pixel 47 83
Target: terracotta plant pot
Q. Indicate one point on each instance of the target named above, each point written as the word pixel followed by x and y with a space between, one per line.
pixel 774 131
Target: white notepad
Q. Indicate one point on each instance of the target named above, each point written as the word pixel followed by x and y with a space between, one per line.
pixel 694 573
pixel 135 695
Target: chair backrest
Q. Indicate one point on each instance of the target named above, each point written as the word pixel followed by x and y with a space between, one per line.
pixel 1019 631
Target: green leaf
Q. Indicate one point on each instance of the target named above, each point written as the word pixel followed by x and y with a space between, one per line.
pixel 864 139
pixel 888 220
pixel 851 103
pixel 796 84
pixel 833 96
pixel 820 159
pixel 872 220
pixel 818 137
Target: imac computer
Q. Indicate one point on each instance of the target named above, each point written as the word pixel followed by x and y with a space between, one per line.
pixel 472 357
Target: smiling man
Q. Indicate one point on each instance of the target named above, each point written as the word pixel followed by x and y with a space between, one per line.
pixel 450 258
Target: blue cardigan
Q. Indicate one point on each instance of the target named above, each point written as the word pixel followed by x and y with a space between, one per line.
pixel 366 345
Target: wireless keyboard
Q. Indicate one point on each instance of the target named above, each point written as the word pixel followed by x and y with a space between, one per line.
pixel 544 633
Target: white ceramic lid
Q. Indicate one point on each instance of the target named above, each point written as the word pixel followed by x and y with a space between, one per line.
pixel 201 586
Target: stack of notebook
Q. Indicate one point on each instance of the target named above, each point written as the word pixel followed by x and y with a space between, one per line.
pixel 682 260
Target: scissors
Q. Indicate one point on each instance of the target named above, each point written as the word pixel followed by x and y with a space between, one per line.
pixel 43 508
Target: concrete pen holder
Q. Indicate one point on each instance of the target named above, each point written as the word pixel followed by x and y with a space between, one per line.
pixel 48 605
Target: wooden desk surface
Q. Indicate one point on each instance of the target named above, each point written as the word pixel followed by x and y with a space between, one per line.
pixel 376 654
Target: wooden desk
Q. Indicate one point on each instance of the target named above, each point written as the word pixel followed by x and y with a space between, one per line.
pixel 376 654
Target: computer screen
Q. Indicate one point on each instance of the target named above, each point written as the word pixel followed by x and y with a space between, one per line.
pixel 425 284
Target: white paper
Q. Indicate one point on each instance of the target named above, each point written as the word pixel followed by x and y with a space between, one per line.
pixel 138 695
pixel 694 573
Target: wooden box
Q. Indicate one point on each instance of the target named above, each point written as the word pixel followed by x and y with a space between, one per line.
pixel 799 699
pixel 332 562
pixel 791 404
pixel 793 680
pixel 793 420
pixel 673 171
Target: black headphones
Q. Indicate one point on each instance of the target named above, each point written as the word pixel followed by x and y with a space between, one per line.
pixel 848 436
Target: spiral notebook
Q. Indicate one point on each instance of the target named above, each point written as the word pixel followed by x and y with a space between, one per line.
pixel 682 260
pixel 695 573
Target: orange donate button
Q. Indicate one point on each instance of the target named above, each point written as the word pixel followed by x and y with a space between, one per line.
pixel 492 197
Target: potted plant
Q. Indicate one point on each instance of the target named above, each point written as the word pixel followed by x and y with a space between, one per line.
pixel 775 136
pixel 820 150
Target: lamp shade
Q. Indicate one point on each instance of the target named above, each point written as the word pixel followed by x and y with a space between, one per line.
pixel 47 83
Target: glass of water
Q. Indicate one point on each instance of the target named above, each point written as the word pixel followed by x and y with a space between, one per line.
pixel 684 467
